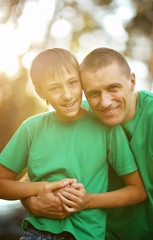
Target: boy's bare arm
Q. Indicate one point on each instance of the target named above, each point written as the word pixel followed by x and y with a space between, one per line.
pixel 10 189
pixel 25 178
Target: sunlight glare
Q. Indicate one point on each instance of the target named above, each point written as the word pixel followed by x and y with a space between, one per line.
pixel 12 67
pixel 30 29
pixel 141 71
pixel 61 28
pixel 8 61
pixel 27 59
pixel 125 13
pixel 114 26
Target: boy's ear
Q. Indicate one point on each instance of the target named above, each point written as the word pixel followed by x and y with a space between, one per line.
pixel 38 92
pixel 133 81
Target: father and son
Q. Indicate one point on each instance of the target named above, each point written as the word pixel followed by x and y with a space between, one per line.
pixel 85 162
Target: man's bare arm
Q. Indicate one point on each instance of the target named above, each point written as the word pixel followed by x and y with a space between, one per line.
pixel 76 199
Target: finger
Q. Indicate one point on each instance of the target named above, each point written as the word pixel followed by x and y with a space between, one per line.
pixel 68 209
pixel 77 186
pixel 73 193
pixel 67 201
pixel 73 180
pixel 73 196
pixel 56 185
pixel 60 184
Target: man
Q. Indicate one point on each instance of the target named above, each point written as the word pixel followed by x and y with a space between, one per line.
pixel 58 145
pixel 109 88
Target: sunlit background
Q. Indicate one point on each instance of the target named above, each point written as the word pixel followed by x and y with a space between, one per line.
pixel 28 27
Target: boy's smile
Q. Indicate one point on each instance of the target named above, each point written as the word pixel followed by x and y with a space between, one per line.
pixel 65 95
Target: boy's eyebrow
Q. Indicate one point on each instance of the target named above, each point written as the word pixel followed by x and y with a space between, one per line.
pixel 56 83
pixel 71 78
pixel 52 84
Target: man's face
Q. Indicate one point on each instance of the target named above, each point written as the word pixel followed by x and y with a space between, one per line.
pixel 109 94
pixel 64 94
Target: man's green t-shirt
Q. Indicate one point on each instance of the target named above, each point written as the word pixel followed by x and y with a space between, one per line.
pixel 52 150
pixel 136 222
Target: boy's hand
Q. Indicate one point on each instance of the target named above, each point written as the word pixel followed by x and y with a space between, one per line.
pixel 74 198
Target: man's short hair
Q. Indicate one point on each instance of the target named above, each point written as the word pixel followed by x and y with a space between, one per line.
pixel 102 57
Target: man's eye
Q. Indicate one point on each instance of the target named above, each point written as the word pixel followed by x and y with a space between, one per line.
pixel 94 95
pixel 114 88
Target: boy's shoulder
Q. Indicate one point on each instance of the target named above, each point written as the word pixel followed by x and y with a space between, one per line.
pixel 36 120
pixel 39 117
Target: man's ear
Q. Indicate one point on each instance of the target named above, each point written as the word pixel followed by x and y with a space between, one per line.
pixel 133 81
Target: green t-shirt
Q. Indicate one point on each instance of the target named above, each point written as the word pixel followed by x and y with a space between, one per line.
pixel 52 150
pixel 136 222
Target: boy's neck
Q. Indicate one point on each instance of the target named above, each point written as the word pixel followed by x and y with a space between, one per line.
pixel 82 112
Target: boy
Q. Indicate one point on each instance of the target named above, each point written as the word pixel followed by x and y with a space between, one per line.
pixel 69 143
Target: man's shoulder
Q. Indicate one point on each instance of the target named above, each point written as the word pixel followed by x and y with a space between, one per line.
pixel 145 105
pixel 145 100
pixel 146 95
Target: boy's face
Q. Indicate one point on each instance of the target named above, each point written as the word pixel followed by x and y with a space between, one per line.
pixel 64 94
pixel 109 94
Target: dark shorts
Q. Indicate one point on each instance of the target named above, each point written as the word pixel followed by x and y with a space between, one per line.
pixel 34 234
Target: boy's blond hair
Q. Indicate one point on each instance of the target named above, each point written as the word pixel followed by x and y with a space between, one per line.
pixel 52 63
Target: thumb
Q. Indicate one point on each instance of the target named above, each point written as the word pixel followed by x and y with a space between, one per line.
pixel 56 185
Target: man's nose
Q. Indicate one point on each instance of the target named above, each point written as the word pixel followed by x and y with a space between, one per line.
pixel 105 100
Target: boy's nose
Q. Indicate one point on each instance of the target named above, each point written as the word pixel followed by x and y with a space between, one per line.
pixel 66 94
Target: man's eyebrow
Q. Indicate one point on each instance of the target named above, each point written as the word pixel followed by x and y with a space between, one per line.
pixel 92 91
pixel 114 84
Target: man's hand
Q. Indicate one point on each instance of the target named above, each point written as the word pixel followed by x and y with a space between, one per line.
pixel 47 203
pixel 74 198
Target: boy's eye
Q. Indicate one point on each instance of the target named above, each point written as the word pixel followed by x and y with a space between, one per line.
pixel 73 82
pixel 54 89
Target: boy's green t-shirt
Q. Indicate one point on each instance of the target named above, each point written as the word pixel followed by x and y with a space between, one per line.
pixel 52 150
pixel 136 222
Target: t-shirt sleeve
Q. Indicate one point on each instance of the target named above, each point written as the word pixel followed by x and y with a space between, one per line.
pixel 119 153
pixel 15 154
